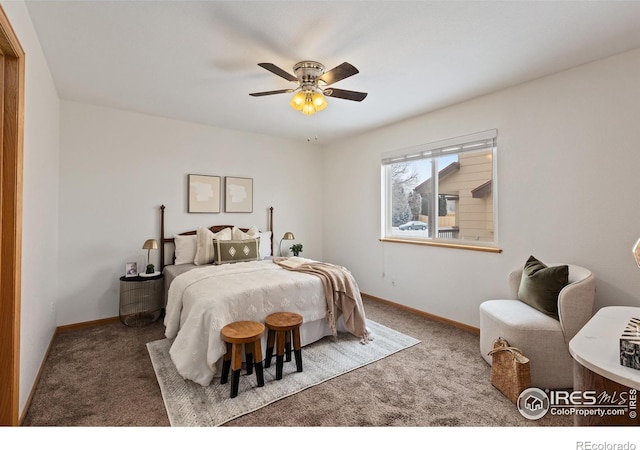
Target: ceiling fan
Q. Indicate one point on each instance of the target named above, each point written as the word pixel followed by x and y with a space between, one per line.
pixel 313 84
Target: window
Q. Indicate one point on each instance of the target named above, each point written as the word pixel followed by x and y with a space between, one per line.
pixel 442 193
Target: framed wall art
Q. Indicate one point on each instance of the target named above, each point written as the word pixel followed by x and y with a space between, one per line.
pixel 238 195
pixel 204 194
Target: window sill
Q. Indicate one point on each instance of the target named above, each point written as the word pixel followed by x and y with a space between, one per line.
pixel 478 248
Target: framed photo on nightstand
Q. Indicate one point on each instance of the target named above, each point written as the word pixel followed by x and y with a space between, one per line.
pixel 131 269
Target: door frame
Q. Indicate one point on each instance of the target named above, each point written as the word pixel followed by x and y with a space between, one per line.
pixel 12 71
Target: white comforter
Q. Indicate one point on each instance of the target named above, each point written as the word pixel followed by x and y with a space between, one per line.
pixel 203 300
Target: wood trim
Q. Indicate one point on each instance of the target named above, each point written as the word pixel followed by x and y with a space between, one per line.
pixel 82 325
pixel 420 313
pixel 478 248
pixel 34 386
pixel 11 167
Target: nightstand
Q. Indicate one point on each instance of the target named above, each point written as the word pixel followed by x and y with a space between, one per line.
pixel 141 300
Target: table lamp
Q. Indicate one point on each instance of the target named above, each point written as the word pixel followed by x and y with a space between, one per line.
pixel 148 245
pixel 288 236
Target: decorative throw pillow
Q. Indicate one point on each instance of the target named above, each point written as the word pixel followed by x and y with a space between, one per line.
pixel 252 233
pixel 236 250
pixel 238 235
pixel 540 286
pixel 185 251
pixel 204 247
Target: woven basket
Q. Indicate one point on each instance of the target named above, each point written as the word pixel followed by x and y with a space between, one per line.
pixel 510 371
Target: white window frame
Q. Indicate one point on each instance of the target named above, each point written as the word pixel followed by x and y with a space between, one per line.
pixel 459 145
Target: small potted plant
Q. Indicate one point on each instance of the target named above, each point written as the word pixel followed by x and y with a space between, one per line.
pixel 296 249
pixel 150 269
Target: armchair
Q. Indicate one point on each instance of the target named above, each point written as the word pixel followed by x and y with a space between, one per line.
pixel 543 339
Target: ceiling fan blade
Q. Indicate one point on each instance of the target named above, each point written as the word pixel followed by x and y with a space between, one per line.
pixel 347 95
pixel 344 70
pixel 281 91
pixel 278 71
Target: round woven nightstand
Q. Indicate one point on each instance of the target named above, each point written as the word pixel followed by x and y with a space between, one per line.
pixel 141 300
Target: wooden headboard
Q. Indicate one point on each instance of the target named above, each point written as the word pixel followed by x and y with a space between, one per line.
pixel 214 228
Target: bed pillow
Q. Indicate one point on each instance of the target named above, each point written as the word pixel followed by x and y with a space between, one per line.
pixel 204 247
pixel 265 244
pixel 252 233
pixel 232 251
pixel 238 235
pixel 185 252
pixel 540 286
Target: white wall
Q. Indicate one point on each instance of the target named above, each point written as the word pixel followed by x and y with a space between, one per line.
pixel 117 168
pixel 568 191
pixel 40 202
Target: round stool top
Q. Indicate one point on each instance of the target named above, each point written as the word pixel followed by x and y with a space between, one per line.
pixel 283 321
pixel 242 332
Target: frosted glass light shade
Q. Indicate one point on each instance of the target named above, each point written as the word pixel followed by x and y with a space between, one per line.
pixel 308 109
pixel 297 101
pixel 319 102
pixel 636 252
pixel 308 102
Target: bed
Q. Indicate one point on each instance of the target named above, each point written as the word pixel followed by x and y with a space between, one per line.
pixel 202 298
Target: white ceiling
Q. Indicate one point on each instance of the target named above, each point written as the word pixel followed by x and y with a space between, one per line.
pixel 197 60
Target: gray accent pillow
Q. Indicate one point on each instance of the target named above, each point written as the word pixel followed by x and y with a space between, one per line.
pixel 232 251
pixel 540 286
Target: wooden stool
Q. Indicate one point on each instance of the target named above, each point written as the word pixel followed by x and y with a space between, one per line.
pixel 282 326
pixel 235 335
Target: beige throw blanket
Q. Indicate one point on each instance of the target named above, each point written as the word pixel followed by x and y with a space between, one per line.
pixel 341 292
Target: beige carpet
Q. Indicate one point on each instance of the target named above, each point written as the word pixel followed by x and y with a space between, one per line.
pixel 189 404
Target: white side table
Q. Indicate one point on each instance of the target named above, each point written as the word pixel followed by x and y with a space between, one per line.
pixel 596 351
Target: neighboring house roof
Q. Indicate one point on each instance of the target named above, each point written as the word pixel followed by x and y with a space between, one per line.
pixel 484 190
pixel 451 168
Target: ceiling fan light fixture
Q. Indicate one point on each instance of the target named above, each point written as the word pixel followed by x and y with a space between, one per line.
pixel 308 109
pixel 297 101
pixel 319 102
pixel 309 96
pixel 308 102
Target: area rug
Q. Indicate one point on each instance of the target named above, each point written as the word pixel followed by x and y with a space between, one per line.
pixel 190 405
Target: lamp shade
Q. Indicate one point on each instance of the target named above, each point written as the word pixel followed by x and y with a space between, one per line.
pixel 150 244
pixel 636 252
pixel 288 236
